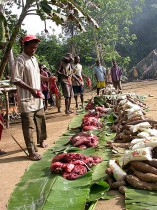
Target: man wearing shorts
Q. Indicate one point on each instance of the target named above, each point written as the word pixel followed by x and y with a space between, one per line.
pixel 100 74
pixel 78 87
pixel 65 73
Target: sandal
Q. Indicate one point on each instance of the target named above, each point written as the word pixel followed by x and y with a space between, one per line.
pixel 35 156
pixel 2 152
pixel 43 144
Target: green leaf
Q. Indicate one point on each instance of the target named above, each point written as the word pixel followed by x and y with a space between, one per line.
pixel 140 199
pixel 98 190
pixel 111 118
pixel 76 122
pixel 69 195
pixel 46 7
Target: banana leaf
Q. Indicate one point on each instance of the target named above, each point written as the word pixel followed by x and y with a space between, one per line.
pixel 34 186
pixel 40 189
pixel 76 122
pixel 140 199
pixel 69 195
pixel 98 191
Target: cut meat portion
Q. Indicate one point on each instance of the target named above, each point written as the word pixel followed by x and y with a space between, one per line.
pixel 78 171
pixel 84 140
pixel 74 165
pixel 91 123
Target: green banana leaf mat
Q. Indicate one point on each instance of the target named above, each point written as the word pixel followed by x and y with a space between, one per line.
pixel 40 189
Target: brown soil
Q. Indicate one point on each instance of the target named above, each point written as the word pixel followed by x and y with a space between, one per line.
pixel 14 163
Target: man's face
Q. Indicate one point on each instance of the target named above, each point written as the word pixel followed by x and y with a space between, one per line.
pixel 31 48
pixel 98 63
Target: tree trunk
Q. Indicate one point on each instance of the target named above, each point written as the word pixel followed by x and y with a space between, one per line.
pixel 7 52
pixel 96 45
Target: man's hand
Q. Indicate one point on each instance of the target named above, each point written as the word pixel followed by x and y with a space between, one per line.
pixel 34 93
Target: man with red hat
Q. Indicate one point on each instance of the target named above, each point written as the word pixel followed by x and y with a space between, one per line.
pixel 26 76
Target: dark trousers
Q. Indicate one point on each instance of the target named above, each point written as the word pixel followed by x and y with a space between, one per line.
pixel 30 119
pixel 117 85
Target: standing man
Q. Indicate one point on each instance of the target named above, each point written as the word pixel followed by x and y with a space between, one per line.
pixel 116 74
pixel 78 87
pixel 26 76
pixel 65 72
pixel 44 86
pixel 100 74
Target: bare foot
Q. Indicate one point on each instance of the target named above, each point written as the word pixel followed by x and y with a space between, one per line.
pixel 43 144
pixel 35 156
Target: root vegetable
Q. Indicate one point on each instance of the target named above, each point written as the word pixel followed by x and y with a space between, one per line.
pixel 143 167
pixel 122 189
pixel 116 185
pixel 121 145
pixel 152 162
pixel 139 184
pixel 147 177
pixel 110 180
pixel 109 171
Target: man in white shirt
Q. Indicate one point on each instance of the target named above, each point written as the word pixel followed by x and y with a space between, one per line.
pixel 78 87
pixel 26 76
pixel 100 74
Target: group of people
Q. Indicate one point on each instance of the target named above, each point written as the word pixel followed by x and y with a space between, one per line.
pixel 104 77
pixel 29 77
pixel 71 79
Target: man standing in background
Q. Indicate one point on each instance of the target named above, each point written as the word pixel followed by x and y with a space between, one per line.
pixel 116 74
pixel 78 87
pixel 100 74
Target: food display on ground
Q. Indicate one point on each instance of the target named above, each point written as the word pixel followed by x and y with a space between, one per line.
pixel 111 145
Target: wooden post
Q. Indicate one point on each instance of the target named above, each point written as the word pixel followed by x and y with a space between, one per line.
pixel 7 107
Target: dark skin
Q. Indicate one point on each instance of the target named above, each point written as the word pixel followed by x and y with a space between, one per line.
pixel 76 61
pixel 66 63
pixel 30 50
pixel 98 89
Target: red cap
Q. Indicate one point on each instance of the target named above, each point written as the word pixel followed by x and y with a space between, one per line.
pixel 29 37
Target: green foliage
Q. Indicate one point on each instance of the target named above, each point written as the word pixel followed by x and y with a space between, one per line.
pixel 114 18
pixel 51 51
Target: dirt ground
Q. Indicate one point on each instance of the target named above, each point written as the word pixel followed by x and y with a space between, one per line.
pixel 14 163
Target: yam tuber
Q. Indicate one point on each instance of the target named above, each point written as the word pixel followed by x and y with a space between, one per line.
pixel 152 162
pixel 139 184
pixel 116 185
pixel 147 177
pixel 110 180
pixel 143 167
pixel 109 171
pixel 122 189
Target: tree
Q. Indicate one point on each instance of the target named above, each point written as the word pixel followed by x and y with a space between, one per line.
pixel 114 18
pixel 58 11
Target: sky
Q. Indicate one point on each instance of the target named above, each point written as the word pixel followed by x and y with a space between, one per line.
pixel 34 25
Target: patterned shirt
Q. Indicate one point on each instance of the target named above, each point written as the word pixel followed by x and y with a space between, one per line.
pixel 100 72
pixel 116 73
pixel 26 69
